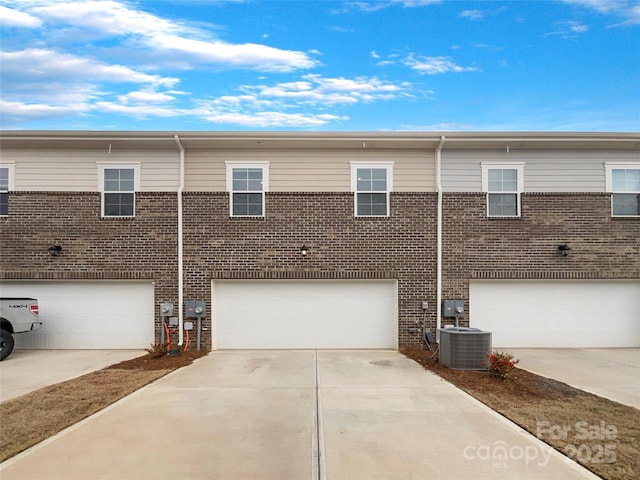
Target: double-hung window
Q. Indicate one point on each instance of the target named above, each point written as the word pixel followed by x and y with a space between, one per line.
pixel 118 184
pixel 623 181
pixel 372 184
pixel 503 184
pixel 247 184
pixel 6 184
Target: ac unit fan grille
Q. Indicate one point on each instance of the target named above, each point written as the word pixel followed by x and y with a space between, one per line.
pixel 465 348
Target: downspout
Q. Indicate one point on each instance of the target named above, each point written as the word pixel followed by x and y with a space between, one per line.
pixel 180 247
pixel 439 236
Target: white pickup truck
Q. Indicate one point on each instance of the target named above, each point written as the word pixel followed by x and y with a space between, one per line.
pixel 17 315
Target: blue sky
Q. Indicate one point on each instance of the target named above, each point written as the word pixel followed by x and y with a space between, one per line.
pixel 387 65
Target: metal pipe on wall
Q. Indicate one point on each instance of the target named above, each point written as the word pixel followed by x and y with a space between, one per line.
pixel 180 247
pixel 439 235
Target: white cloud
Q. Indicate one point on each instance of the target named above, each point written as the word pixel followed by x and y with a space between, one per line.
pixel 15 113
pixel 435 65
pixel 279 104
pixel 602 6
pixel 104 17
pixel 472 14
pixel 249 55
pixel 44 84
pixel 416 3
pixel 485 46
pixel 301 103
pixel 629 10
pixel 137 111
pixel 317 90
pixel 161 40
pixel 50 82
pixel 374 6
pixel 16 18
pixel 270 119
pixel 475 14
pixel 340 29
pixel 41 65
pixel 148 96
pixel 569 29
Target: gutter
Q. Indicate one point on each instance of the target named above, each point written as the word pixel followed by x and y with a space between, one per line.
pixel 439 236
pixel 180 247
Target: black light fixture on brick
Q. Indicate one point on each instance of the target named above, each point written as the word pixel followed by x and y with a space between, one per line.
pixel 564 249
pixel 55 250
pixel 304 250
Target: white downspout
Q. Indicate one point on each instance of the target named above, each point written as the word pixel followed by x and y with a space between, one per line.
pixel 439 236
pixel 180 247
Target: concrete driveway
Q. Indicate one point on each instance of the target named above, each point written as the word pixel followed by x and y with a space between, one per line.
pixel 27 370
pixel 295 415
pixel 613 373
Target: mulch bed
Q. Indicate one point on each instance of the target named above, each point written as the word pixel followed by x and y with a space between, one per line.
pixel 528 399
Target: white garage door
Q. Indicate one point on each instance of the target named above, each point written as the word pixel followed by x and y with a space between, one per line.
pixel 305 314
pixel 87 315
pixel 557 313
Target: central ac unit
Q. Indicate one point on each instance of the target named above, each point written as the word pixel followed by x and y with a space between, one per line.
pixel 465 348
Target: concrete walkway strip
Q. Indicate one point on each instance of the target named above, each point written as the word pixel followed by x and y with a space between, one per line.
pixel 28 370
pixel 293 415
pixel 612 373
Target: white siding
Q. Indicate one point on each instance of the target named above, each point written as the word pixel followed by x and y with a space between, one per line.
pixel 77 170
pixel 310 170
pixel 544 171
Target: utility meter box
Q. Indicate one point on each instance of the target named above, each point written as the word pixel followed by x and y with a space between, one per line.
pixel 166 309
pixel 452 308
pixel 195 308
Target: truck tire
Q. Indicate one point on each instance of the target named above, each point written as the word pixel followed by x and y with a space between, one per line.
pixel 6 344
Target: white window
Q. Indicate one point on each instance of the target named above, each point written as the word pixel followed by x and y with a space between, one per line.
pixel 6 185
pixel 371 183
pixel 623 181
pixel 247 184
pixel 118 184
pixel 503 184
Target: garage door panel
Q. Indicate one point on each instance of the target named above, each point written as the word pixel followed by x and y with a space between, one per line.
pixel 557 313
pixel 305 314
pixel 88 315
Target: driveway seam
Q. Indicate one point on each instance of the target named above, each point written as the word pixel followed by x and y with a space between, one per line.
pixel 320 453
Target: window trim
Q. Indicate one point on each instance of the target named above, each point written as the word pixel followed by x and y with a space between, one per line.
pixel 102 166
pixel 261 164
pixel 609 168
pixel 11 184
pixel 519 167
pixel 355 165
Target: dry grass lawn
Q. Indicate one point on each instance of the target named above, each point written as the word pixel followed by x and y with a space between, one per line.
pixel 601 435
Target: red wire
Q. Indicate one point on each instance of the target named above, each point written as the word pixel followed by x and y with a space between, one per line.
pixel 166 329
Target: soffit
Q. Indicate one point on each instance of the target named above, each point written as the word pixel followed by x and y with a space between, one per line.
pixel 320 140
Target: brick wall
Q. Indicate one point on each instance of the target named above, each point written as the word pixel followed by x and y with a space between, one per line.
pixel 93 248
pixel 477 247
pixel 400 247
